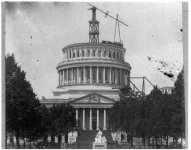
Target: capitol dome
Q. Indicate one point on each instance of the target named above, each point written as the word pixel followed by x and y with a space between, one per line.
pixel 92 67
pixel 90 77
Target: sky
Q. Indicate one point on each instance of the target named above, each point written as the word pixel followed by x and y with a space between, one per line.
pixel 36 32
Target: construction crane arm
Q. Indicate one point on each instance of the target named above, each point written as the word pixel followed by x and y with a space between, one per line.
pixel 107 14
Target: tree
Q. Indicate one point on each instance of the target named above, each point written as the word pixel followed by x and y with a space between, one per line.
pixel 155 97
pixel 22 106
pixel 144 123
pixel 178 119
pixel 45 122
pixel 124 114
pixel 58 120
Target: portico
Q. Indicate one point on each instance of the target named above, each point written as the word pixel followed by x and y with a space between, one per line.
pixel 89 113
pixel 92 111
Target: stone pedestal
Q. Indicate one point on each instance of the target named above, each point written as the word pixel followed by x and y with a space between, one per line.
pixel 99 145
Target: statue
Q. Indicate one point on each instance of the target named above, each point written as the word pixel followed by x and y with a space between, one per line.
pixel 100 141
pixel 100 138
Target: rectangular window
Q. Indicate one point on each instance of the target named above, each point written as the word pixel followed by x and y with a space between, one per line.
pixel 107 75
pixel 65 76
pixel 75 75
pixel 112 75
pixel 88 74
pixel 88 53
pixel 118 76
pixel 100 74
pixel 69 77
pixel 94 74
pixel 81 75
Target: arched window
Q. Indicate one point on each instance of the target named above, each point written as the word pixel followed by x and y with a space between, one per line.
pixel 117 55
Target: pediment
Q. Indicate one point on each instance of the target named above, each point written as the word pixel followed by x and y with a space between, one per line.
pixel 93 98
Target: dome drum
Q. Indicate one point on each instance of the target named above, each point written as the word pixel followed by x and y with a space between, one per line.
pixel 96 64
pixel 94 75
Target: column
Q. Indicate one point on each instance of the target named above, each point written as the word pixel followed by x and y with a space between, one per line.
pixel 116 75
pixel 84 128
pixel 84 75
pixel 104 120
pixel 58 78
pixel 110 75
pixel 67 76
pixel 120 78
pixel 128 78
pixel 63 78
pixel 90 119
pixel 90 74
pixel 49 138
pixel 72 76
pixel 97 74
pixel 77 75
pixel 76 117
pixel 97 128
pixel 103 74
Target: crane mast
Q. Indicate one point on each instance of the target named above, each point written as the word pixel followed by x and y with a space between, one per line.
pixel 94 26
